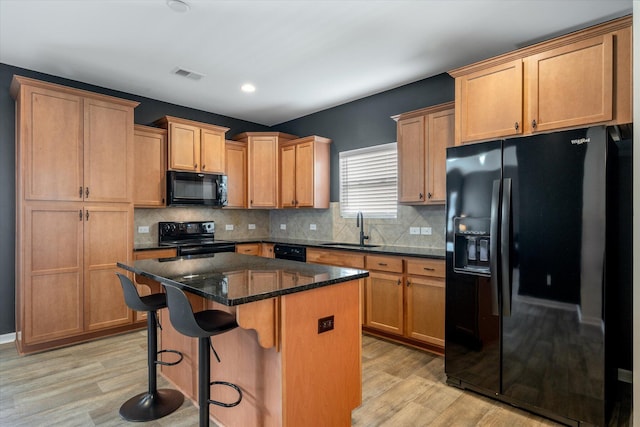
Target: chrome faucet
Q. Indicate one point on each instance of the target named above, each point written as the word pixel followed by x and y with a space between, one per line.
pixel 360 223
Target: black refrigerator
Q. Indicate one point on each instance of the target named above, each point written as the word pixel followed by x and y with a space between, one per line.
pixel 528 298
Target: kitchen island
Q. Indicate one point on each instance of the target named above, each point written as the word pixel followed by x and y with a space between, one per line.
pixel 297 352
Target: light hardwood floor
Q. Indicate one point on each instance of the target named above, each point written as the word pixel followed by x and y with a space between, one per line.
pixel 84 385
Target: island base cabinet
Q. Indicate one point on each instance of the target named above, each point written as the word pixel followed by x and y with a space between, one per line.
pixel 308 378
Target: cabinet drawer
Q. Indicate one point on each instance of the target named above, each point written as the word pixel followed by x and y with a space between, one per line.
pixel 248 249
pixel 339 258
pixel 155 253
pixel 425 267
pixel 383 263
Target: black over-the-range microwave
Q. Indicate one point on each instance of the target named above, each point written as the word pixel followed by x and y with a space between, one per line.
pixel 194 188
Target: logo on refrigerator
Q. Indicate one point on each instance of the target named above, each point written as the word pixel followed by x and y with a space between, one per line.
pixel 580 141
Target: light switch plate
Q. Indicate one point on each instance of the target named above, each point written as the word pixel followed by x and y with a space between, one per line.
pixel 425 230
pixel 252 226
pixel 283 226
pixel 143 229
pixel 414 230
pixel 312 227
pixel 228 227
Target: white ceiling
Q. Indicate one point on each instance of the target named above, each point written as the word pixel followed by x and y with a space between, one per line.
pixel 303 56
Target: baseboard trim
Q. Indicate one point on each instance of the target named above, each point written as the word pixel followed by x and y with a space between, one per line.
pixel 7 338
pixel 625 376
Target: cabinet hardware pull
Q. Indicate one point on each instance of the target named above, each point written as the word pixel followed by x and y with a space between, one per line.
pixel 516 125
pixel 421 196
pixel 80 214
pixel 86 192
pixel 429 195
pixel 534 124
pixel 429 269
pixel 87 215
pixel 383 264
pixel 408 283
pixel 399 282
pixel 80 192
pixel 293 202
pixel 203 167
pixel 195 166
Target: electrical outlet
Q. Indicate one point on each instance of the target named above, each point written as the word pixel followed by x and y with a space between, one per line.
pixel 325 324
pixel 283 226
pixel 252 226
pixel 228 227
pixel 312 227
pixel 143 229
pixel 414 230
pixel 425 230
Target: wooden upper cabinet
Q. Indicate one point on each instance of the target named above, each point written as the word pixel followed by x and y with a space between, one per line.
pixel 73 145
pixel 490 102
pixel 195 146
pixel 304 173
pixel 262 167
pixel 423 137
pixel 150 163
pixel 570 85
pixel 583 78
pixel 236 171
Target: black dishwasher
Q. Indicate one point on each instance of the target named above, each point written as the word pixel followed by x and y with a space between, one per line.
pixel 292 252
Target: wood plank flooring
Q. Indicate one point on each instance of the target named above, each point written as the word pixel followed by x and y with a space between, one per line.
pixel 84 385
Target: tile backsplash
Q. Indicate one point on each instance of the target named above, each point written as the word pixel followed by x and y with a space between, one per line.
pixel 298 224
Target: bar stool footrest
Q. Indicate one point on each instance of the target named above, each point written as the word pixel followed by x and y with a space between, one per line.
pixel 223 404
pixel 160 362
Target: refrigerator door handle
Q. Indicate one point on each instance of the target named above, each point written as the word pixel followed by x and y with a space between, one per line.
pixel 505 246
pixel 493 247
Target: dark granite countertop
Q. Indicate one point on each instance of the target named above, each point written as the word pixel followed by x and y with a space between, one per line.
pixel 232 279
pixel 425 252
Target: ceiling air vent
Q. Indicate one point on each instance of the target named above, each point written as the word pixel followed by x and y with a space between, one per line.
pixel 188 74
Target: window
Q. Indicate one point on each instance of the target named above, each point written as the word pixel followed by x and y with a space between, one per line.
pixel 369 181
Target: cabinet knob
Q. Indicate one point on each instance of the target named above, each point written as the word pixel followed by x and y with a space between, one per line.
pixel 204 167
pixel 429 195
pixel 195 166
pixel 534 124
pixel 516 126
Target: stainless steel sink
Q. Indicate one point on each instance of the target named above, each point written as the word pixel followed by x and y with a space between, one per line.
pixel 351 245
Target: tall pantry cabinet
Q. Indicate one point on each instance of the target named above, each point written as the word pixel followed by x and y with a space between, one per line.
pixel 74 213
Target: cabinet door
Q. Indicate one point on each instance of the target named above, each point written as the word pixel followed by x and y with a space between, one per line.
pixel 212 151
pixel 441 135
pixel 288 176
pixel 384 304
pixel 490 102
pixel 108 151
pixel 411 160
pixel 425 309
pixel 150 160
pixel 236 171
pixel 107 240
pixel 305 164
pixel 263 172
pixel 51 145
pixel 571 85
pixel 51 280
pixel 266 250
pixel 184 147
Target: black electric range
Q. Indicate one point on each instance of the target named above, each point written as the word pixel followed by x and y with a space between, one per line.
pixel 193 238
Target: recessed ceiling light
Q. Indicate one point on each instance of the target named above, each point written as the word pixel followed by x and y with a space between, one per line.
pixel 178 5
pixel 248 88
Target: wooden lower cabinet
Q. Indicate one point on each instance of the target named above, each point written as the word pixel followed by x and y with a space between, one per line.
pixel 404 298
pixel 248 248
pixel 66 289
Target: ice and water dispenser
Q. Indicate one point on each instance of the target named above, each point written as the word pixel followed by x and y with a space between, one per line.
pixel 471 245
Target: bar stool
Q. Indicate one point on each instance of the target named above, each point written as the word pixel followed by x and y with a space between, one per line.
pixel 154 403
pixel 202 325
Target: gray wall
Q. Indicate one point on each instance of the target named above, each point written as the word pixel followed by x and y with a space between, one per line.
pixel 357 124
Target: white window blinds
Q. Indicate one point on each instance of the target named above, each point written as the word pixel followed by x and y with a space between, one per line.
pixel 369 181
